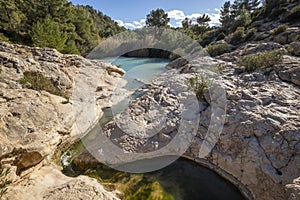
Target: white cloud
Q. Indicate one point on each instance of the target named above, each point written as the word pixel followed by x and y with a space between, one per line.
pixel 143 22
pixel 120 22
pixel 178 24
pixel 129 25
pixel 214 19
pixel 137 24
pixel 176 14
pixel 194 16
pixel 132 25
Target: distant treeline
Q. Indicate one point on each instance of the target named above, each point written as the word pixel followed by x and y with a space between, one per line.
pixel 54 23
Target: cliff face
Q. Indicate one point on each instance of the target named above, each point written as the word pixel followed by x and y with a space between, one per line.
pixel 37 120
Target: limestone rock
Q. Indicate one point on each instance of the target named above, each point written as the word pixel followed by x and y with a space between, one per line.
pixel 289 70
pixel 258 144
pixel 34 124
pixel 49 183
pixel 294 48
pixel 27 160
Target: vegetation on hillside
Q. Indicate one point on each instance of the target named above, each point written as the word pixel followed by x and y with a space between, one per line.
pixel 54 23
pixel 260 60
pixel 157 18
pixel 200 84
pixel 4 182
pixel 37 81
pixel 78 29
pixel 237 18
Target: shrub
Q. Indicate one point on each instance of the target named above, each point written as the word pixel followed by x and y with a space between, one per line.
pixel 217 69
pixel 221 36
pixel 3 38
pixel 36 81
pixel 48 33
pixel 199 84
pixel 260 60
pixel 280 29
pixel 277 11
pixel 208 37
pixel 250 34
pixel 217 49
pixel 238 36
pixel 3 181
pixel 294 14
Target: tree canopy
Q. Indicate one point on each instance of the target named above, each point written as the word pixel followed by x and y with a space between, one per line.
pixel 56 24
pixel 157 18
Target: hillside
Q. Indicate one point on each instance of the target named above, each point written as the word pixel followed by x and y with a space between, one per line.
pixel 56 24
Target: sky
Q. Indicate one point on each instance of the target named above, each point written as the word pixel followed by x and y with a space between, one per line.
pixel 132 13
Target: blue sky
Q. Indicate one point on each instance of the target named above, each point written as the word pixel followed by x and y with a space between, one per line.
pixel 132 13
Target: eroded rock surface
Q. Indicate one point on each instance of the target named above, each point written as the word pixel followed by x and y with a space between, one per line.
pixel 258 146
pixel 35 125
pixel 259 143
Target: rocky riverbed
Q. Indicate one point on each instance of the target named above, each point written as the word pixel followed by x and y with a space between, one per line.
pixel 258 148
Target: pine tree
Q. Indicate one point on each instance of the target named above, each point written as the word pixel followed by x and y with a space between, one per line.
pixel 186 23
pixel 87 35
pixel 157 18
pixel 243 19
pixel 245 4
pixel 234 11
pixel 253 4
pixel 47 33
pixel 11 17
pixel 202 24
pixel 203 20
pixel 225 18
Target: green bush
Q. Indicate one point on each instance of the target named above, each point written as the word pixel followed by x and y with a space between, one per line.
pixel 221 36
pixel 260 60
pixel 199 84
pixel 48 33
pixel 238 36
pixel 277 11
pixel 208 37
pixel 36 81
pixel 294 14
pixel 3 38
pixel 217 49
pixel 280 29
pixel 250 34
pixel 217 69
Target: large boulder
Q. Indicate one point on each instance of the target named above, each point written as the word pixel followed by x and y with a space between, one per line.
pixel 294 48
pixel 289 70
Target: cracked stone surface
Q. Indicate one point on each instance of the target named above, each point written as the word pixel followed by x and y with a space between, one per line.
pixel 259 144
pixel 34 125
